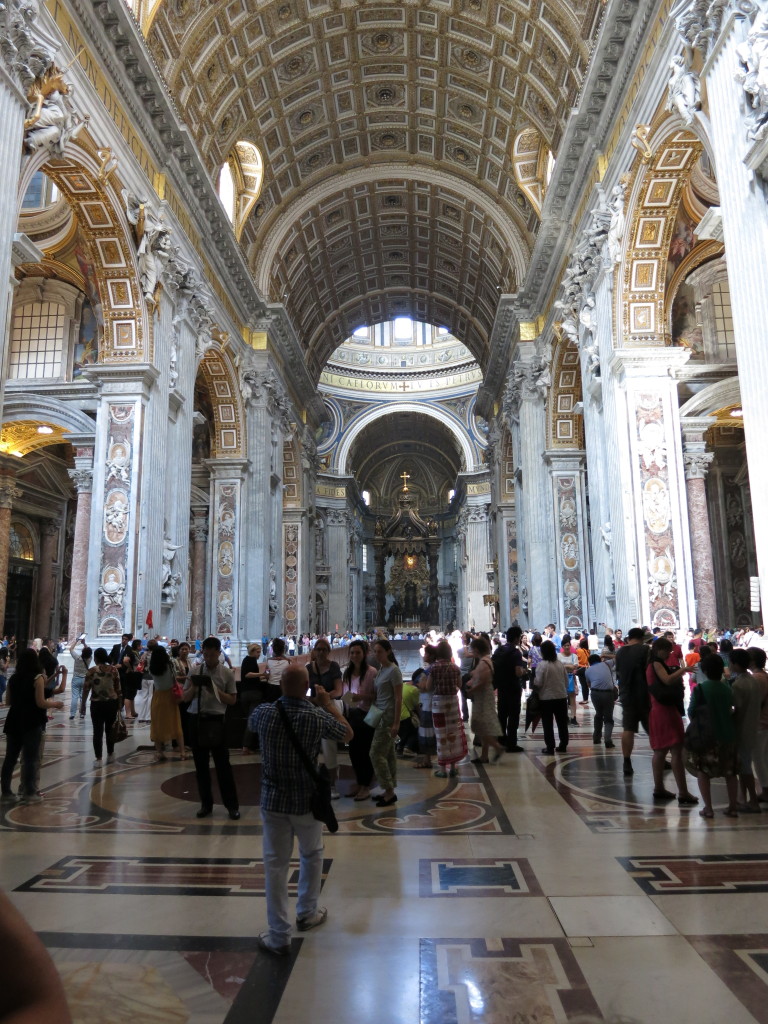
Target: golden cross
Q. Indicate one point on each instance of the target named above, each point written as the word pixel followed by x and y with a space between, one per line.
pixel 405 477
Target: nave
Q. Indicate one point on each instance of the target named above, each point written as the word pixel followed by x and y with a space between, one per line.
pixel 539 889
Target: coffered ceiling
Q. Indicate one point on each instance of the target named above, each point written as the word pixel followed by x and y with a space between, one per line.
pixel 411 442
pixel 387 133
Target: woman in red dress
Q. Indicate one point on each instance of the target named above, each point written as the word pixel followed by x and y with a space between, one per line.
pixel 666 723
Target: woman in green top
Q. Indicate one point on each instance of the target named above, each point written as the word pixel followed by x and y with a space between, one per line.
pixel 720 759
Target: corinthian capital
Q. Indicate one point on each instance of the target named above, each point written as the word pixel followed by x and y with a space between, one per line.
pixel 25 56
pixel 8 493
pixel 82 479
pixel 696 464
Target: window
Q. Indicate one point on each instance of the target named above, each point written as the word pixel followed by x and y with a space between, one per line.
pixel 41 193
pixel 721 298
pixel 367 497
pixel 403 328
pixel 451 494
pixel 37 340
pixel 363 333
pixel 21 543
pixel 365 558
pixel 227 191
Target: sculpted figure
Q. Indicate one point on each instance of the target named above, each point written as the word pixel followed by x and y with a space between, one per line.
pixel 684 90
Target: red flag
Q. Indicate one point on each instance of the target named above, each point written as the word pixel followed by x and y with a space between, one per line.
pixel 150 623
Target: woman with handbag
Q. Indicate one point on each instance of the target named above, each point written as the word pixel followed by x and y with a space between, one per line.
pixel 484 722
pixel 24 725
pixel 359 694
pixel 666 723
pixel 103 683
pixel 325 674
pixel 384 716
pixel 166 720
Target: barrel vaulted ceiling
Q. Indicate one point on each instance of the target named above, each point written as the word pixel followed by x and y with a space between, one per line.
pixel 387 134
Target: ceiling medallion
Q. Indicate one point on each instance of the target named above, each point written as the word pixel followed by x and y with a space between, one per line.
pixel 334 217
pixel 475 5
pixel 284 12
pixel 306 117
pixel 451 212
pixel 466 111
pixel 382 40
pixel 393 201
pixel 385 95
pixel 395 255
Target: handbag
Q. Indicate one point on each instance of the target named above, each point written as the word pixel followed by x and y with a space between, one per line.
pixel 671 695
pixel 118 730
pixel 533 704
pixel 177 691
pixel 321 806
pixel 700 733
pixel 374 716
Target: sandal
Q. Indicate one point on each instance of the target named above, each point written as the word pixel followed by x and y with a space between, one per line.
pixel 706 813
pixel 730 814
pixel 453 773
pixel 689 800
pixel 441 775
pixel 663 794
pixel 366 795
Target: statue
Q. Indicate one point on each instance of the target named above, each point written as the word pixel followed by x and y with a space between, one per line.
pixel 618 220
pixel 173 373
pixel 153 240
pixel 753 76
pixel 684 90
pixel 171 589
pixel 54 120
pixel 378 529
pixel 169 553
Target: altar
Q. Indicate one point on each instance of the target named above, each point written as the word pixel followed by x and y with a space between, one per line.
pixel 406 549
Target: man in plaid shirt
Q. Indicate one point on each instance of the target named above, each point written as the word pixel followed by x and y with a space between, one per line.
pixel 286 793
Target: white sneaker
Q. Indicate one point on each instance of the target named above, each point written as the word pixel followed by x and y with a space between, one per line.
pixel 335 794
pixel 97 763
pixel 110 758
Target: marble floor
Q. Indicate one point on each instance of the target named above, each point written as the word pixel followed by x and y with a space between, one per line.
pixel 538 890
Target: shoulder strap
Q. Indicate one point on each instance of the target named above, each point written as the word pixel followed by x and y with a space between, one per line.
pixel 311 770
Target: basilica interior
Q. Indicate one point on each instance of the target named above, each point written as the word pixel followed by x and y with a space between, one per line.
pixel 327 315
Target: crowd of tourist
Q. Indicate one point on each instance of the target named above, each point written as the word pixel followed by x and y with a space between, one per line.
pixel 465 700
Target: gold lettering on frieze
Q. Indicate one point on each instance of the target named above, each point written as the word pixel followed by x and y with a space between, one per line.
pixel 482 488
pixel 327 491
pixel 400 387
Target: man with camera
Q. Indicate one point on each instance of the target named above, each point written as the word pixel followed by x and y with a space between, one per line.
pixel 210 687
pixel 286 797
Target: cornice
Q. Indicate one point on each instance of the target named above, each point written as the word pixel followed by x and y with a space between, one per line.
pixel 504 335
pixel 621 36
pixel 114 36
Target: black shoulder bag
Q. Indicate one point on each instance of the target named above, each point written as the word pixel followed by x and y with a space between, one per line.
pixel 321 805
pixel 700 733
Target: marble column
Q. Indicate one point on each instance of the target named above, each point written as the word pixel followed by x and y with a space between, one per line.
pixel 49 531
pixel 570 550
pixel 739 165
pixel 337 539
pixel 13 109
pixel 199 561
pixel 8 493
pixel 82 477
pixel 528 421
pixel 696 464
pixel 381 599
pixel 476 578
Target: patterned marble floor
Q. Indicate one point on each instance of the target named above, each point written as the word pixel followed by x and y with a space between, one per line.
pixel 534 891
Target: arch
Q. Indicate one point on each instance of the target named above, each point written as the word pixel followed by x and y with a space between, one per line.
pixel 530 163
pixel 712 399
pixel 79 176
pixel 513 234
pixel 247 169
pixel 565 427
pixel 228 414
pixel 662 170
pixel 386 409
pixel 20 407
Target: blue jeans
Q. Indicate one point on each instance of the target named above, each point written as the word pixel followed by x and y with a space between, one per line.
pixel 277 844
pixel 28 743
pixel 77 693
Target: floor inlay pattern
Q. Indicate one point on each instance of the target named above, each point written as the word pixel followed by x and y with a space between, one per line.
pixel 169 980
pixel 592 784
pixel 477 877
pixel 159 876
pixel 134 794
pixel 501 981
pixel 725 873
pixel 741 962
